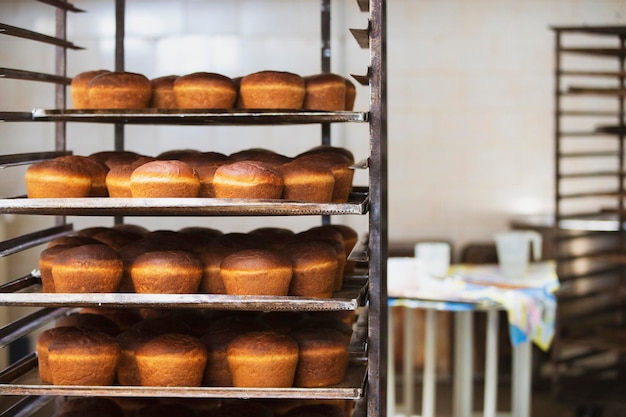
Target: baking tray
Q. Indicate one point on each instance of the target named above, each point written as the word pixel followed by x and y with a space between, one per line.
pixel 199 117
pixel 358 203
pixel 26 292
pixel 22 378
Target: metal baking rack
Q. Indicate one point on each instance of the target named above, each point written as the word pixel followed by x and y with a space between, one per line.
pixel 26 291
pixel 199 117
pixel 104 206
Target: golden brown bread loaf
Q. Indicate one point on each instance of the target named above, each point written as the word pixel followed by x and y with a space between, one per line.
pixel 325 91
pixel 171 360
pixel 206 174
pixel 166 272
pixel 211 259
pixel 256 272
pixel 118 177
pixel 205 90
pixel 96 169
pixel 84 357
pixel 41 348
pixel 247 179
pixel 273 237
pixel 350 239
pixel 46 258
pixel 307 182
pixel 221 332
pixel 264 359
pixel 111 158
pixel 328 234
pixel 124 318
pixel 119 90
pixel 332 149
pixel 323 357
pixel 314 268
pixel 272 90
pixel 94 268
pixel 57 179
pixel 163 96
pixel 79 88
pixel 162 179
pixel 340 166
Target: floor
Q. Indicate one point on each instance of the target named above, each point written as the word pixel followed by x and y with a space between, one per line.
pixel 543 405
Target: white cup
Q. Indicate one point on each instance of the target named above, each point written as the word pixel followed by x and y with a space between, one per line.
pixel 513 248
pixel 434 257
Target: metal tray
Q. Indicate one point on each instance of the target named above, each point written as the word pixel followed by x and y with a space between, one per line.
pixel 105 206
pixel 27 292
pixel 23 379
pixel 199 117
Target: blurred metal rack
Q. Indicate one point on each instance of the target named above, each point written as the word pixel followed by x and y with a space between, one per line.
pixel 589 220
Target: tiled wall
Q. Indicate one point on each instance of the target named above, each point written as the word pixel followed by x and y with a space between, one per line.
pixel 470 93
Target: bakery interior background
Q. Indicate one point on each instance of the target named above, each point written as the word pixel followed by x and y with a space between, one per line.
pixel 470 89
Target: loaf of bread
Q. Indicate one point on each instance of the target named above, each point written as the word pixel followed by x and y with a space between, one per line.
pixel 171 360
pixel 166 272
pixel 162 179
pixel 325 91
pixel 323 357
pixel 119 90
pixel 163 96
pixel 307 182
pixel 272 90
pixel 256 272
pixel 79 88
pixel 57 179
pixel 263 359
pixel 339 165
pixel 247 179
pixel 205 90
pixel 314 268
pixel 118 177
pixel 83 357
pixel 94 268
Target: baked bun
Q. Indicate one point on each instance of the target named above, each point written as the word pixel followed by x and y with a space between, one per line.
pixel 162 179
pixel 79 88
pixel 57 179
pixel 339 165
pixel 350 239
pixel 96 169
pixel 83 357
pixel 94 268
pixel 323 357
pixel 326 91
pixel 120 90
pixel 263 359
pixel 171 360
pixel 314 268
pixel 328 234
pixel 221 332
pixel 273 237
pixel 118 177
pixel 163 96
pixel 272 90
pixel 347 153
pixel 41 348
pixel 166 272
pixel 46 259
pixel 205 90
pixel 211 259
pixel 256 272
pixel 247 179
pixel 307 182
pixel 112 158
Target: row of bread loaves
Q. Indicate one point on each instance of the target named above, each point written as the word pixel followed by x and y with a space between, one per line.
pixel 102 89
pixel 266 261
pixel 234 349
pixel 323 174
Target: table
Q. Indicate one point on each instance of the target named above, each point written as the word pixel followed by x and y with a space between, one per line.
pixel 402 272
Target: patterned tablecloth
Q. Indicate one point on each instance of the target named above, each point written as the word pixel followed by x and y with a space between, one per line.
pixel 529 301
